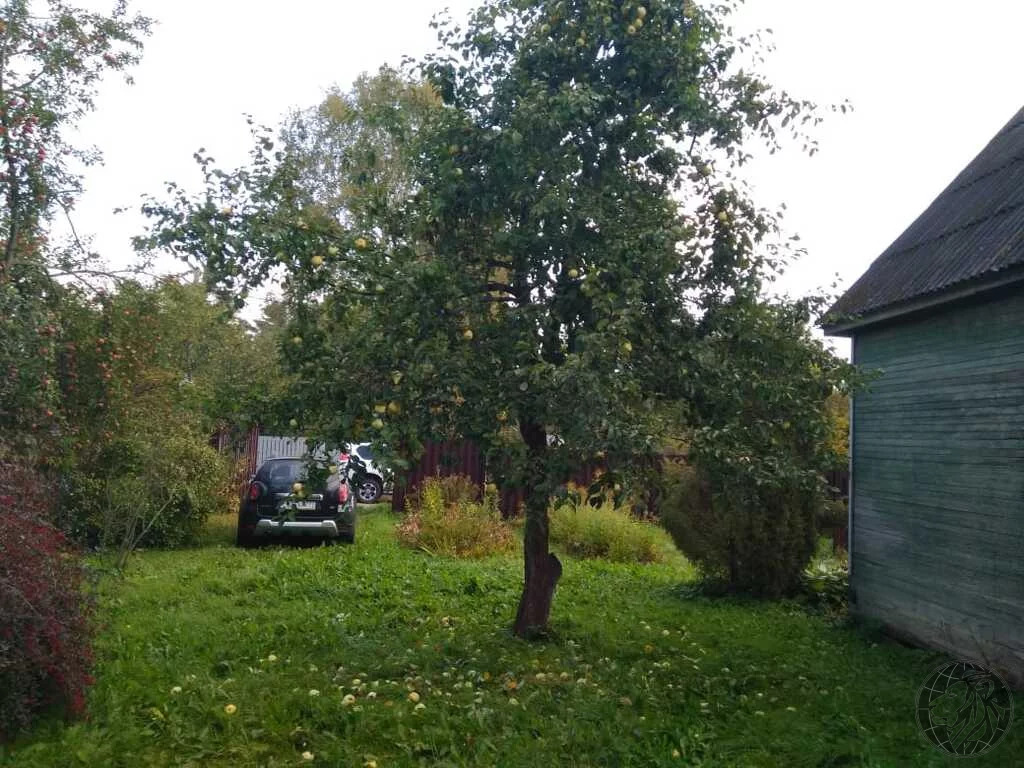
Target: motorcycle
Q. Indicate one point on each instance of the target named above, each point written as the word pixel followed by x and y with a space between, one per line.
pixel 366 484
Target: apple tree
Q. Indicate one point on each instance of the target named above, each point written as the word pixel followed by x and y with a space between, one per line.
pixel 52 56
pixel 570 233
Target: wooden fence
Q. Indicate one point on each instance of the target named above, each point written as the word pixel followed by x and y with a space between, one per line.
pixel 839 490
pixel 440 459
pixel 243 450
pixel 511 500
pixel 839 483
pixel 464 457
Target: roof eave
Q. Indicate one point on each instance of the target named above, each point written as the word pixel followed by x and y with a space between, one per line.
pixel 850 325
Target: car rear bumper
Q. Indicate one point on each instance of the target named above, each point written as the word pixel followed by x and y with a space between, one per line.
pixel 328 528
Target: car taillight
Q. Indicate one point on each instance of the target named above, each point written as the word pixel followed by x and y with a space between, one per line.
pixel 343 493
pixel 255 490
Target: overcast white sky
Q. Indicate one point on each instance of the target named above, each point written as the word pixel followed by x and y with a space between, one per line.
pixel 930 82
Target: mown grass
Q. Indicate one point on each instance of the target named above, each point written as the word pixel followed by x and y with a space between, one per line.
pixel 636 668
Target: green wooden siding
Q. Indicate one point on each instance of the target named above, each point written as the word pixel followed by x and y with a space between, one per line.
pixel 937 528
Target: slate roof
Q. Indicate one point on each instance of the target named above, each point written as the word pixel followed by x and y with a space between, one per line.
pixel 972 231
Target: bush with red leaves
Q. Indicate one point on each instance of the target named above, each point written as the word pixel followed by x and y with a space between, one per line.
pixel 45 627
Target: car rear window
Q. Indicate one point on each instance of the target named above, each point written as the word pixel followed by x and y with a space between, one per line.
pixel 363 451
pixel 281 474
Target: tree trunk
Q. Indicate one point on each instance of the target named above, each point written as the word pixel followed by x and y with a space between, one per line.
pixel 541 568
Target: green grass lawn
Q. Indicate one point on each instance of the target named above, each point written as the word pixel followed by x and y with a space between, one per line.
pixel 222 657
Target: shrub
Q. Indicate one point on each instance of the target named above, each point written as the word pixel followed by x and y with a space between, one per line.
pixel 826 581
pixel 154 490
pixel 448 490
pixel 604 531
pixel 24 486
pixel 758 437
pixel 685 511
pixel 183 476
pixel 757 538
pixel 45 650
pixel 445 517
pixel 833 514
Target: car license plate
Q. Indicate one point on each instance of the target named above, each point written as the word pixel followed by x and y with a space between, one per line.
pixel 304 505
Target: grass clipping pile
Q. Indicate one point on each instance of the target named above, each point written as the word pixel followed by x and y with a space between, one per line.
pixel 447 517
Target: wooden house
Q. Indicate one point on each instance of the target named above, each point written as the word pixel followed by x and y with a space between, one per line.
pixel 936 533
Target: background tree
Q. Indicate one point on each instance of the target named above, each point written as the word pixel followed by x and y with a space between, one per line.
pixel 838 407
pixel 354 152
pixel 345 165
pixel 571 238
pixel 148 374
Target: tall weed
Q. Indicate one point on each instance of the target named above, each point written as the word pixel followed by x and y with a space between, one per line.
pixel 604 531
pixel 446 517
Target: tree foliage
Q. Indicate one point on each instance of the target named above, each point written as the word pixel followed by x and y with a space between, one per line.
pixel 565 250
pixel 148 373
pixel 52 57
pixel 760 440
pixel 838 408
pixel 354 152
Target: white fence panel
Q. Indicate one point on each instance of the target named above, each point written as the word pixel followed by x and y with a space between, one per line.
pixel 276 447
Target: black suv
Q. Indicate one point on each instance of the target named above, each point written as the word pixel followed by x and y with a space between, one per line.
pixel 279 503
